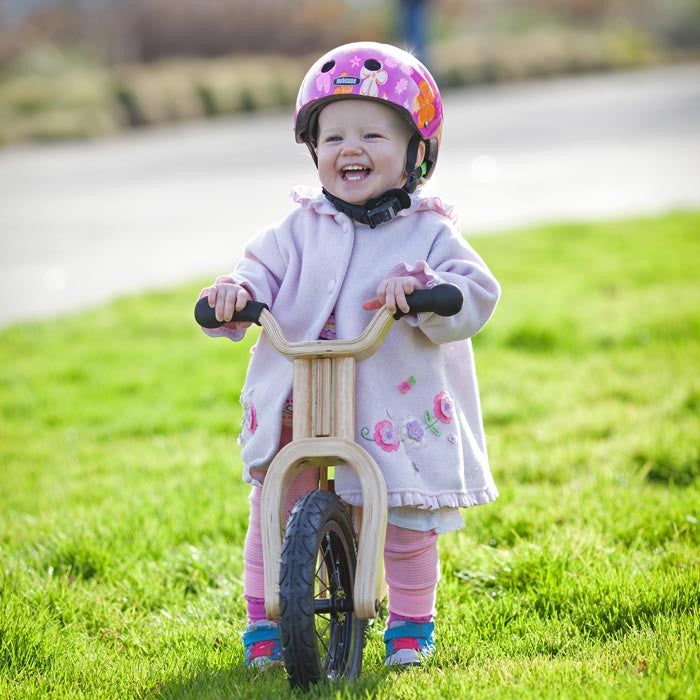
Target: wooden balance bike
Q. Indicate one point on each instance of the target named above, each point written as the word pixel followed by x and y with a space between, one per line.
pixel 324 570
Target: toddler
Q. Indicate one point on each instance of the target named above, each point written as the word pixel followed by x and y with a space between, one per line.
pixel 371 116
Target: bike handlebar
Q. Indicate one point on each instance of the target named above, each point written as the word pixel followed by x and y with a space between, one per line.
pixel 206 316
pixel 443 300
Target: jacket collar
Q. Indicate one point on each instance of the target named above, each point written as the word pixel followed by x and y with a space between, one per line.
pixel 312 198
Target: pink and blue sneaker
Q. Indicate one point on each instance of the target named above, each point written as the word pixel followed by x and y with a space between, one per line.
pixel 408 643
pixel 261 642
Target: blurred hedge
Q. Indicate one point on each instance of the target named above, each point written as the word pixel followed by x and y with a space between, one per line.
pixel 137 31
pixel 143 31
pixel 54 94
pixel 70 74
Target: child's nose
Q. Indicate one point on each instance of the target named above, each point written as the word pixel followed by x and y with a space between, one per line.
pixel 351 147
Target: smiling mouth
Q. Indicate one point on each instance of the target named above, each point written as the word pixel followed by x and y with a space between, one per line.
pixel 354 173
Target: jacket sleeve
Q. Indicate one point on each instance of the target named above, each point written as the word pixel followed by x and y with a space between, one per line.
pixel 262 267
pixel 260 272
pixel 451 259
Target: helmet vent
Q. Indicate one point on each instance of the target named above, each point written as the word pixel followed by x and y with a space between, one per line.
pixel 327 66
pixel 372 64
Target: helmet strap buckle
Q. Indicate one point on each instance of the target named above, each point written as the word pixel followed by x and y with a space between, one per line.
pixel 375 211
pixel 385 211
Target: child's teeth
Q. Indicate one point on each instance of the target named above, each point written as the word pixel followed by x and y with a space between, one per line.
pixel 355 173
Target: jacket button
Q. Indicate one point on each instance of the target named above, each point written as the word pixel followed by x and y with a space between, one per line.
pixel 331 286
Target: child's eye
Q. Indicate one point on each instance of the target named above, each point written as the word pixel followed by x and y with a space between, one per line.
pixel 373 136
pixel 329 139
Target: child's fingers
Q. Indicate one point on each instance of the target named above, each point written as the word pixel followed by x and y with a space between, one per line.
pixel 406 286
pixel 390 299
pixel 220 306
pixel 395 296
pixel 396 290
pixel 400 296
pixel 391 293
pixel 211 296
pixel 236 299
pixel 223 303
pixel 242 298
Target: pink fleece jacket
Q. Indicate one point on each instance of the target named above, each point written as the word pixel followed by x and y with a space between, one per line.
pixel 418 410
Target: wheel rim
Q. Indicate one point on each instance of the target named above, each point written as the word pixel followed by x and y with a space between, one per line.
pixel 333 581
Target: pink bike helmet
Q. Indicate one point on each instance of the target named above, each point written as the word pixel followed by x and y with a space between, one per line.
pixel 381 72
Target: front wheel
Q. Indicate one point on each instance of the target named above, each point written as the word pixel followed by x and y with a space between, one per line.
pixel 321 637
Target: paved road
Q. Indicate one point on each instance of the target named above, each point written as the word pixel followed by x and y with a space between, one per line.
pixel 82 223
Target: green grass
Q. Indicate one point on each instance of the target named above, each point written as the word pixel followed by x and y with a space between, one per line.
pixel 122 512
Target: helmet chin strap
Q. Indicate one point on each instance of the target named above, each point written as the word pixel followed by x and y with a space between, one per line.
pixel 386 206
pixel 374 211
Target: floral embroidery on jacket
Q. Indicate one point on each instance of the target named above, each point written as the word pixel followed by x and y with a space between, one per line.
pixel 443 407
pixel 406 385
pixel 385 436
pixel 250 417
pixel 431 423
pixel 412 431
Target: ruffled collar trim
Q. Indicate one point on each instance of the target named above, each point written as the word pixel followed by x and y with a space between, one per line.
pixel 313 199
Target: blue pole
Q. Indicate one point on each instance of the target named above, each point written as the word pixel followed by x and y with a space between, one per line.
pixel 414 18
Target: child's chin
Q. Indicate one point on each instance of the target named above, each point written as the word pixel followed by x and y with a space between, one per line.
pixel 351 195
pixel 355 199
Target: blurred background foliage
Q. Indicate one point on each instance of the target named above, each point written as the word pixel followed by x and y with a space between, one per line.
pixel 83 68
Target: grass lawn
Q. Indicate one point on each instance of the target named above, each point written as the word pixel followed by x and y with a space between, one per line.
pixel 122 511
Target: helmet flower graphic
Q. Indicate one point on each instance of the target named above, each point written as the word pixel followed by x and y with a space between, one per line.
pixel 425 104
pixel 372 79
pixel 385 436
pixel 394 63
pixel 323 80
pixel 443 407
pixel 400 86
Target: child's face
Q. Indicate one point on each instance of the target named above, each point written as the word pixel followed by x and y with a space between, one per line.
pixel 367 135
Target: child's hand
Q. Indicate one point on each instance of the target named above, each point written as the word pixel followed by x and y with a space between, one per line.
pixel 226 297
pixel 392 294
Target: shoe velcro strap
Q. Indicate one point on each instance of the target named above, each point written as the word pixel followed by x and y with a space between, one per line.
pixel 410 629
pixel 263 634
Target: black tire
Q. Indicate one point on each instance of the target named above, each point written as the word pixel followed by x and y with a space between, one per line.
pixel 317 643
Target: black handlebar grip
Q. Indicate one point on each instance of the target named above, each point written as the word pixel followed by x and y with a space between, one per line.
pixel 443 300
pixel 206 316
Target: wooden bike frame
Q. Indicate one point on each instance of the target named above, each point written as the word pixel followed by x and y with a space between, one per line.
pixel 323 435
